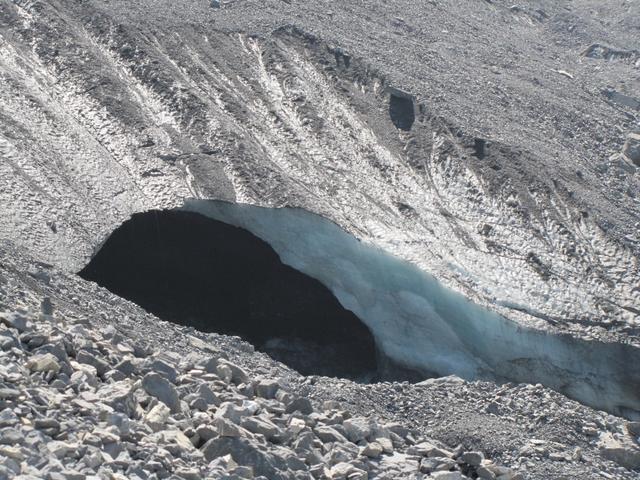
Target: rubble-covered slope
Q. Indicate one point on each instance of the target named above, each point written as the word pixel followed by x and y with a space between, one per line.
pixel 93 386
pixel 481 141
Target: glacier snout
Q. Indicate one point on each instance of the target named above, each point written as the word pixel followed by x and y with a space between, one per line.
pixel 422 325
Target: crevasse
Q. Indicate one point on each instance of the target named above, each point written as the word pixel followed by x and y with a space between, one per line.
pixel 422 325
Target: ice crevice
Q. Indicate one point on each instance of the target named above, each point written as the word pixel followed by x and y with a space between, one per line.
pixel 420 324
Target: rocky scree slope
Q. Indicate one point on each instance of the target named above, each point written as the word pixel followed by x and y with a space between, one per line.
pixel 79 401
pixel 94 387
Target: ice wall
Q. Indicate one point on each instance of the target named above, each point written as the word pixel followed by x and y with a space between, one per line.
pixel 421 324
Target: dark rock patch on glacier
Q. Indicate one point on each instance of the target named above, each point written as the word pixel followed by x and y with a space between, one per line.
pixel 401 109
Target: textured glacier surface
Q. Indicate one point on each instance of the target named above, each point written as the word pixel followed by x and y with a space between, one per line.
pixel 421 324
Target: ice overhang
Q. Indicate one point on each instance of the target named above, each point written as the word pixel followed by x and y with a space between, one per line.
pixel 421 324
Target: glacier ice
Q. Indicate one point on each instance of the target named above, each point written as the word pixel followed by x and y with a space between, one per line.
pixel 422 325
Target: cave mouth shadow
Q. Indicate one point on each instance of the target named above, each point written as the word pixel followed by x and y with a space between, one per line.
pixel 195 271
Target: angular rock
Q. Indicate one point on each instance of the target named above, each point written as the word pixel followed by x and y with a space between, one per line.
pixel 199 404
pixel 15 320
pixel 620 451
pixel 238 375
pixel 44 363
pixel 173 440
pixel 631 149
pixel 447 476
pixel 428 449
pixel 296 425
pixel 329 434
pixel 428 465
pixel 211 365
pixel 159 387
pixel 8 418
pixel 267 388
pixel 372 450
pixel 9 393
pixel 343 452
pixel 261 426
pixel 189 474
pixel 80 380
pixel 344 471
pixel 385 443
pixel 8 340
pixel 119 396
pixel 34 339
pixel 472 458
pixel 300 404
pixel 164 369
pixel 357 428
pixel 485 474
pixel 88 358
pixel 56 348
pixel 15 453
pixel 127 367
pixel 233 412
pixel 157 417
pixel 50 426
pixel 208 395
pixel 225 428
pixel 11 436
pixel 206 432
pixel 634 429
pixel 224 372
pixel 246 453
pixel 61 449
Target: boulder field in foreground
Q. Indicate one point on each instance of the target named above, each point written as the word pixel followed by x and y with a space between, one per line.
pixel 76 402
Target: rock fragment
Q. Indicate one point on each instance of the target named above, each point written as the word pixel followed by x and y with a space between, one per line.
pixel 43 363
pixel 160 388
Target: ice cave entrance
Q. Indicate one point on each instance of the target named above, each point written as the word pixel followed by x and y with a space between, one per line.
pixel 310 294
pixel 195 271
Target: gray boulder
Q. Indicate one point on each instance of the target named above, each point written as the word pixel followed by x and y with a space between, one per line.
pixel 119 396
pixel 472 458
pixel 267 388
pixel 300 404
pixel 164 369
pixel 329 434
pixel 357 428
pixel 88 358
pixel 246 453
pixel 620 450
pixel 15 320
pixel 238 375
pixel 159 387
pixel 262 426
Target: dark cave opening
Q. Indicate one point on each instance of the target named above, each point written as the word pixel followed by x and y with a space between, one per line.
pixel 401 112
pixel 195 271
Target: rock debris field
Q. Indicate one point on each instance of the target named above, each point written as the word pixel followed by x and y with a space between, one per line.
pixel 81 403
pixel 84 396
